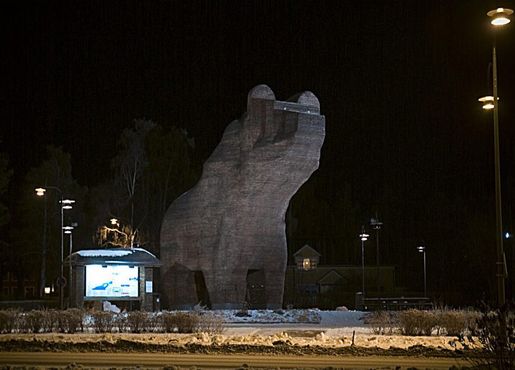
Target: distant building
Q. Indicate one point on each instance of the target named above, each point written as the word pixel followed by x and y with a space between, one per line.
pixel 13 287
pixel 309 284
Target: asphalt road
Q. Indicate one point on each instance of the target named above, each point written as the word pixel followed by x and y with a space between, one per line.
pixel 216 361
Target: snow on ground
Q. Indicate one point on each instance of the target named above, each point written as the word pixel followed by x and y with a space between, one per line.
pixel 264 327
pixel 326 319
pixel 345 319
pixel 306 316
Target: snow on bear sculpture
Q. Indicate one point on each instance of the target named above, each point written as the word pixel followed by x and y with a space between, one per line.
pixel 232 222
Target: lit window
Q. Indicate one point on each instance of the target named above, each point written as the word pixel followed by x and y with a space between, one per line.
pixel 306 264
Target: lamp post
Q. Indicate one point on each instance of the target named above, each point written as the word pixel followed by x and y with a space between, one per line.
pixel 422 249
pixel 500 17
pixel 63 204
pixel 363 237
pixel 69 230
pixel 42 271
pixel 376 225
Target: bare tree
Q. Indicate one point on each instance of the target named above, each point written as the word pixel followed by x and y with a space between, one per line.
pixel 130 163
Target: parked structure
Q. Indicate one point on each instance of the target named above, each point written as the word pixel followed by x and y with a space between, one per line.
pixel 123 276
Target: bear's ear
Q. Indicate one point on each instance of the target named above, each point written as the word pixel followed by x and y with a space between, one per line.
pixel 260 92
pixel 306 98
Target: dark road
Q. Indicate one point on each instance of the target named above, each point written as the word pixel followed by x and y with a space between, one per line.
pixel 203 361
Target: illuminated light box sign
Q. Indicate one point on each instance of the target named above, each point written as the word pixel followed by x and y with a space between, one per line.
pixel 111 281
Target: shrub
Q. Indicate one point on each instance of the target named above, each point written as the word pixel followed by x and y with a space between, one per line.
pixel 182 322
pixel 10 320
pixel 496 331
pixel 104 321
pixel 71 320
pixel 120 321
pixel 457 322
pixel 211 323
pixel 37 321
pixel 382 322
pixel 137 321
pixel 472 320
pixel 417 322
pixel 155 322
pixel 168 321
pixel 55 321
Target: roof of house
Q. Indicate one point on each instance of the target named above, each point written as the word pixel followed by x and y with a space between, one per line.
pixel 113 256
pixel 332 277
pixel 306 251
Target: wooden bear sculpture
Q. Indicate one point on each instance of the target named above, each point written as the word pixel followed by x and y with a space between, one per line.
pixel 232 222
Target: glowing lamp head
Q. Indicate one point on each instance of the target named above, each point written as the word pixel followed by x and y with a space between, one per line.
pixel 421 248
pixel 67 203
pixel 114 221
pixel 363 236
pixel 500 16
pixel 67 229
pixel 488 102
pixel 40 191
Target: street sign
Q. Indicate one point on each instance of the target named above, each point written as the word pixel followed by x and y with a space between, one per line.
pixel 60 281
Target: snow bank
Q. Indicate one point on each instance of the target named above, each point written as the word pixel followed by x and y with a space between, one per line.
pixel 265 327
pixel 305 316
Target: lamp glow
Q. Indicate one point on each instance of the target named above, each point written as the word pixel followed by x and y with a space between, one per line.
pixel 500 16
pixel 306 264
pixel 67 203
pixel 68 229
pixel 488 102
pixel 40 192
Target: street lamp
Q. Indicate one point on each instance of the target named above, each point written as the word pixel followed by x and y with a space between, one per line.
pixel 63 204
pixel 488 102
pixel 69 230
pixel 422 249
pixel 363 237
pixel 500 17
pixel 376 225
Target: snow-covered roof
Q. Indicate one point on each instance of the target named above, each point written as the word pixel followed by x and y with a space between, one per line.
pixel 131 256
pixel 105 252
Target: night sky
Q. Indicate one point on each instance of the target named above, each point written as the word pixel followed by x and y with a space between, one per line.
pixel 398 82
